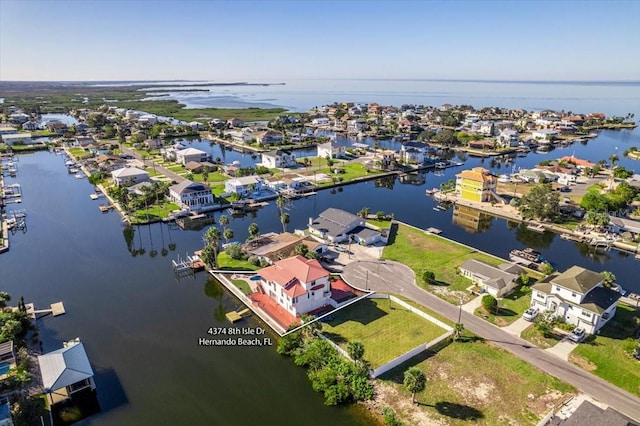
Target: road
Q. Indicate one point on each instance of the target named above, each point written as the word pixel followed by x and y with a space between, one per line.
pixel 393 277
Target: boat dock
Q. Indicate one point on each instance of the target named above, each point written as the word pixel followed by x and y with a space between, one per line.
pixel 434 231
pixel 234 316
pixel 56 309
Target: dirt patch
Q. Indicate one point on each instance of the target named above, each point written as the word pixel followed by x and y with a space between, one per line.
pixel 474 392
pixel 582 362
pixel 387 395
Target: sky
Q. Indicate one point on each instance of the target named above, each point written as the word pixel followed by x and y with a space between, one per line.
pixel 276 41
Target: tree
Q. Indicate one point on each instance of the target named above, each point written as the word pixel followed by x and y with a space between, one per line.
pixel 301 249
pixel 212 238
pixel 254 231
pixel 4 298
pixel 355 349
pixel 609 279
pixel 428 277
pixel 223 220
pixel 489 303
pixel 227 234
pixel 458 329
pixel 524 278
pixel 622 173
pixel 542 202
pixel 596 218
pixel 613 159
pixel 284 219
pixel 281 202
pixel 364 212
pixel 546 268
pixel 415 381
pixel 594 201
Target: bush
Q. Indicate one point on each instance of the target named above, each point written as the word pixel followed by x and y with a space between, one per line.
pixel 489 303
pixel 254 260
pixel 428 276
pixel 234 251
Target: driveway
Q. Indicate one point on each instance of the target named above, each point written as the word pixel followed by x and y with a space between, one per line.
pixel 562 349
pixel 392 277
pixel 517 327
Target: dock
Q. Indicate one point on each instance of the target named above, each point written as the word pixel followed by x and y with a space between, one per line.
pixel 104 208
pixel 56 309
pixel 434 231
pixel 536 228
pixel 234 316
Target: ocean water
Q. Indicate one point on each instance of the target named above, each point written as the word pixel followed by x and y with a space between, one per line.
pixel 612 98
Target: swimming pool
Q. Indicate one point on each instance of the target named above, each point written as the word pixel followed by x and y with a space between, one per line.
pixel 4 368
pixel 255 278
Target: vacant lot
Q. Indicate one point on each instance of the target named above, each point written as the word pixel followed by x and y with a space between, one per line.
pixel 473 382
pixel 386 329
pixel 421 252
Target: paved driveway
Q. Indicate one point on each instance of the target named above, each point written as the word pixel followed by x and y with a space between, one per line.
pixel 562 349
pixel 392 277
pixel 517 327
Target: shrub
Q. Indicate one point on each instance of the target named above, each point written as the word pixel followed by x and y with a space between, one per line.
pixel 254 260
pixel 234 251
pixel 489 303
pixel 428 277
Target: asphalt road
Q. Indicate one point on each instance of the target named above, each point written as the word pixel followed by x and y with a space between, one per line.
pixel 392 277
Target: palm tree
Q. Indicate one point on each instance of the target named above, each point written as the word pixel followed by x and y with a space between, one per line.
pixel 212 238
pixel 284 218
pixel 414 381
pixel 280 202
pixel 364 212
pixel 223 221
pixel 609 279
pixel 613 159
pixel 355 349
pixel 4 298
pixel 228 234
pixel 254 231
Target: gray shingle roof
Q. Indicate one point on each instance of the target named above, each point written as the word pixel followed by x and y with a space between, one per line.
pixel 578 279
pixel 492 276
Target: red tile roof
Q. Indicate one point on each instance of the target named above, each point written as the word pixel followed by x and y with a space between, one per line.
pixel 285 271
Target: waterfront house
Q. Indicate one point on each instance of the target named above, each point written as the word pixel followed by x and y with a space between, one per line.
pixel 536 176
pixel 196 125
pixel 66 371
pixel 241 136
pixel 413 152
pixel 235 122
pixel 278 159
pixel 320 121
pixel 147 120
pixel 578 162
pixel 31 126
pixel 243 186
pixel 508 138
pixel 191 195
pixel 268 137
pixel 578 297
pixel 339 226
pixel 477 184
pixel 128 176
pixel 57 127
pixel 495 280
pixel 331 150
pixel 297 284
pixel 184 156
pixel 8 130
pixel 17 139
pixel 109 163
pixel 544 135
pixel 19 117
pixel 621 224
pixel 7 358
pixel 272 247
pixel 151 144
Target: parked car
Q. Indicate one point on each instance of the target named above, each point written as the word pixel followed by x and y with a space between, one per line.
pixel 530 314
pixel 577 335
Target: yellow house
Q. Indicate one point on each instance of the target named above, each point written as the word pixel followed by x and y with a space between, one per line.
pixel 477 184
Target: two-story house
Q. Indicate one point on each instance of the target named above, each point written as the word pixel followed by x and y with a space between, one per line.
pixel 578 297
pixel 191 195
pixel 191 154
pixel 414 152
pixel 243 186
pixel 278 159
pixel 508 138
pixel 128 176
pixel 269 137
pixel 477 184
pixel 338 226
pixel 331 150
pixel 297 284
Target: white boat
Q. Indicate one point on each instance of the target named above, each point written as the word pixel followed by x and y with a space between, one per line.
pixel 78 176
pixel 504 178
pixel 441 165
pixel 93 196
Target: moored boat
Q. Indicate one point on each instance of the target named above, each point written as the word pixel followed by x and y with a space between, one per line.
pixel 526 256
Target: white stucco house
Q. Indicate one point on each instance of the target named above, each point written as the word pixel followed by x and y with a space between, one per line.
pixel 508 138
pixel 297 284
pixel 243 186
pixel 414 152
pixel 191 154
pixel 278 159
pixel 191 195
pixel 544 135
pixel 338 226
pixel 494 280
pixel 578 297
pixel 331 149
pixel 128 176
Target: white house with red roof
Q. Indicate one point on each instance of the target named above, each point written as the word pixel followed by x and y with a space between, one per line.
pixel 297 284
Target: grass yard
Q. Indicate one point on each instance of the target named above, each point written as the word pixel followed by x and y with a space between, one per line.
pixel 153 213
pixel 379 223
pixel 533 335
pixel 422 252
pixel 79 153
pixel 226 262
pixel 475 382
pixel 608 354
pixel 386 329
pixel 242 285
pixel 511 307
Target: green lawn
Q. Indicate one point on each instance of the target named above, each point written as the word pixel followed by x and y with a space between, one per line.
pixel 226 262
pixel 153 213
pixel 511 307
pixel 217 189
pixel 475 382
pixel 386 329
pixel 421 252
pixel 531 334
pixel 79 153
pixel 242 285
pixel 379 223
pixel 608 354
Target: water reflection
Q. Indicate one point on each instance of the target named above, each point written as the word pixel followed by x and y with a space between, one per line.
pixel 471 220
pixel 537 240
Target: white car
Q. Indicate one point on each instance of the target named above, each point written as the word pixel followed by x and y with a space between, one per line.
pixel 530 314
pixel 577 335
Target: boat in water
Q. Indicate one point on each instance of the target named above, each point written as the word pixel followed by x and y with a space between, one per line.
pixel 527 256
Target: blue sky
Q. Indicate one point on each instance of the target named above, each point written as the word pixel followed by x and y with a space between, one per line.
pixel 282 40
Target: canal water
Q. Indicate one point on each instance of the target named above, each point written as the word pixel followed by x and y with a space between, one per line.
pixel 141 327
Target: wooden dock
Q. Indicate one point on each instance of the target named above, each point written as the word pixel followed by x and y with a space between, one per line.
pixel 234 316
pixel 56 309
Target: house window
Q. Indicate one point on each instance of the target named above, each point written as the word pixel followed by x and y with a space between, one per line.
pixel 573 295
pixel 586 314
pixel 557 288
